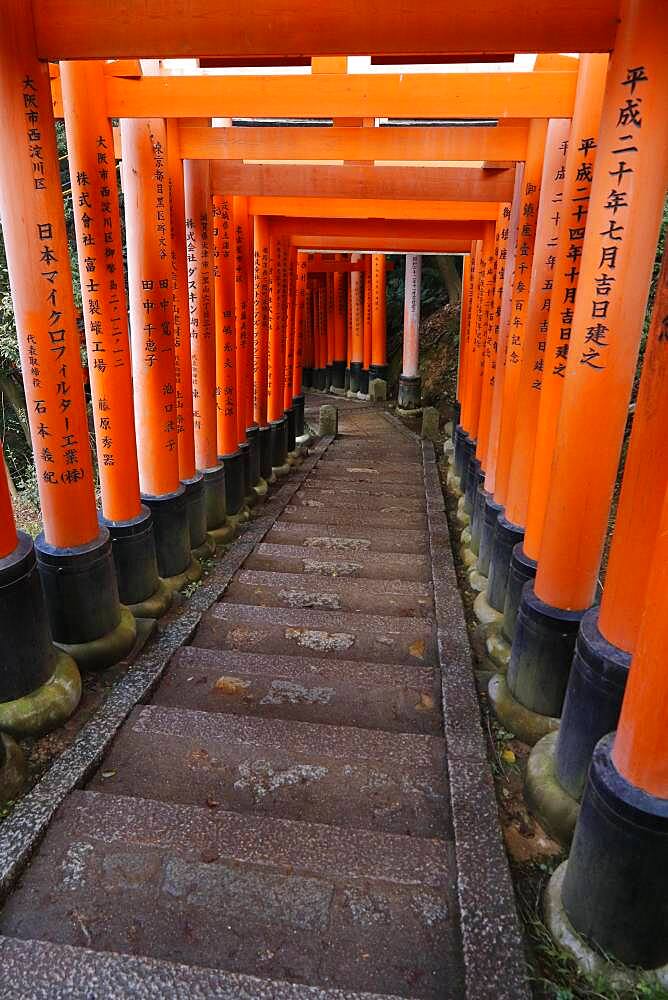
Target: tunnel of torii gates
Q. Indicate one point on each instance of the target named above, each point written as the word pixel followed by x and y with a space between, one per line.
pixel 248 280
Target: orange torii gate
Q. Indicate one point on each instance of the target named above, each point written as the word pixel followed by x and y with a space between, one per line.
pixel 611 246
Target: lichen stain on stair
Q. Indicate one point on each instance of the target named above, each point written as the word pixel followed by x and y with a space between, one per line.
pixel 309 599
pixel 318 639
pixel 231 685
pixel 373 472
pixel 331 568
pixel 242 635
pixel 74 865
pixel 260 777
pixel 282 692
pixel 124 871
pixel 334 542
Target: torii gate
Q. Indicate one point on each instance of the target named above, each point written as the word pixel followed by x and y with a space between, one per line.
pixel 544 440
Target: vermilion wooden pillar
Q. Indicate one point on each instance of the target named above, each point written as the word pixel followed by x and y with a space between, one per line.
pixel 340 298
pixel 226 356
pixel 35 239
pixel 378 367
pixel 300 348
pixel 624 213
pixel 147 226
pixel 248 431
pixel 261 322
pixel 276 408
pixel 368 323
pixel 357 343
pixel 100 253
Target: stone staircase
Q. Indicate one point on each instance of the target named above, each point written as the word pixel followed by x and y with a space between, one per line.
pixel 277 821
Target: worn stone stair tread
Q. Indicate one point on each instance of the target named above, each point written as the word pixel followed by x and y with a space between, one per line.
pixel 39 970
pixel 353 565
pixel 371 516
pixel 349 538
pixel 330 692
pixel 367 488
pixel 387 597
pixel 348 635
pixel 339 775
pixel 346 500
pixel 335 908
pixel 354 474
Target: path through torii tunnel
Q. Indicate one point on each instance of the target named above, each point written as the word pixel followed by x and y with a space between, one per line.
pixel 287 791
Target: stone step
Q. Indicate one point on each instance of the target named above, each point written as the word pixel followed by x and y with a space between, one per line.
pixel 310 689
pixel 282 900
pixel 348 538
pixel 369 516
pixel 379 472
pixel 282 590
pixel 304 631
pixel 366 488
pixel 339 775
pixel 333 564
pixel 352 502
pixel 38 970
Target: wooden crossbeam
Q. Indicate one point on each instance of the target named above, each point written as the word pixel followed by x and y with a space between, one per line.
pixel 94 29
pixel 384 244
pixel 423 183
pixel 391 143
pixel 542 94
pixel 375 208
pixel 392 229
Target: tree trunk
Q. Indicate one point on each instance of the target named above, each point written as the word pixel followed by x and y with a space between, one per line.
pixel 16 400
pixel 453 282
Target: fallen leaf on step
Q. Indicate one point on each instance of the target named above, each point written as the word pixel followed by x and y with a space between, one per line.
pixel 425 704
pixel 509 756
pixel 108 774
pixel 211 802
pixel 417 648
pixel 231 685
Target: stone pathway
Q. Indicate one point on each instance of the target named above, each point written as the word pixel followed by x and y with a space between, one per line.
pixel 278 821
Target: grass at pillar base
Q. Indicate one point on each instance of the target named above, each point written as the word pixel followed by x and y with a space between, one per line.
pixel 13 770
pixel 191 574
pixel 605 975
pixel 98 654
pixel 527 726
pixel 46 708
pixel 553 807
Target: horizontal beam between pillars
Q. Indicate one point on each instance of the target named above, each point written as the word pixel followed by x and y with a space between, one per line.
pixel 419 183
pixel 392 143
pixel 94 29
pixel 374 208
pixel 542 94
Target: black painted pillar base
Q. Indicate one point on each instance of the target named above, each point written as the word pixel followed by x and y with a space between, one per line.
pixel 214 498
pixel 409 396
pixel 171 529
pixel 346 382
pixel 460 438
pixel 307 378
pixel 86 617
pixel 338 376
pixel 356 376
pixel 298 406
pixel 234 481
pixel 542 653
pixel 364 382
pixel 477 514
pixel 471 485
pixel 592 704
pixel 279 447
pixel 506 536
pixel 456 416
pixel 196 506
pixel 615 889
pixel 490 516
pixel 378 371
pixel 133 549
pixel 290 426
pixel 328 378
pixel 521 569
pixel 265 454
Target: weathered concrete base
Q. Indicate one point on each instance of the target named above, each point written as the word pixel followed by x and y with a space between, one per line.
pixel 241 518
pixel 157 604
pixel 528 726
pixel 303 442
pixel 46 708
pixel 223 534
pixel 13 770
pixel 98 654
pixel 377 390
pixel 465 537
pixel 462 517
pixel 468 557
pixel 204 551
pixel 401 412
pixel 553 807
pixel 328 422
pixel 430 419
pixel 364 396
pixel 189 575
pixel 260 489
pixel 448 449
pixel 498 650
pixel 593 963
pixel 477 581
pixel 489 618
pixel 335 391
pixel 295 457
pixel 281 470
pixel 453 482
